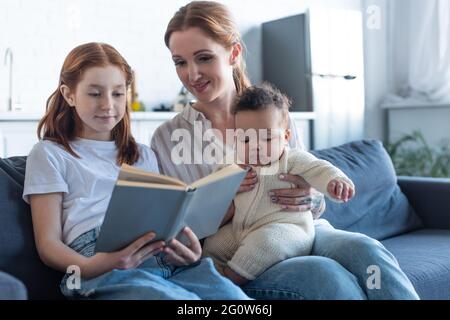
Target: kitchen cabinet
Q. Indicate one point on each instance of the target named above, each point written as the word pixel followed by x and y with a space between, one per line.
pixel 18 131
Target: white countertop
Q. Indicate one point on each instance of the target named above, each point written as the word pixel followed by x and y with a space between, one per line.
pixel 24 116
pixel 415 105
pixel 157 116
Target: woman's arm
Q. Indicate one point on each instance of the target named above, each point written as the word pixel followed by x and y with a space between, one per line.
pixel 46 212
pixel 301 198
pixel 318 203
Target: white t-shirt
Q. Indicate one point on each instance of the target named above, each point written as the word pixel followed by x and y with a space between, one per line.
pixel 86 182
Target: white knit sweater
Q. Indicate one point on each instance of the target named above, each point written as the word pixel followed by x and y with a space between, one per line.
pixel 261 233
pixel 255 207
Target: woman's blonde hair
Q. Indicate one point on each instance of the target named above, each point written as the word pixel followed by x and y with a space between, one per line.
pixel 216 21
pixel 61 122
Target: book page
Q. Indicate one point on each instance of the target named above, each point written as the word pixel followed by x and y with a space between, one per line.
pixel 129 173
pixel 138 184
pixel 218 175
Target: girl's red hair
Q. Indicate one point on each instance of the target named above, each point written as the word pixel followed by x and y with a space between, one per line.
pixel 62 124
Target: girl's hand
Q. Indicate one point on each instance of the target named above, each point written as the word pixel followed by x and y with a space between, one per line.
pixel 250 179
pixel 128 258
pixel 340 190
pixel 293 199
pixel 180 255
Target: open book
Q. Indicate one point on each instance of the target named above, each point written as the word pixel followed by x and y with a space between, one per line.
pixel 143 201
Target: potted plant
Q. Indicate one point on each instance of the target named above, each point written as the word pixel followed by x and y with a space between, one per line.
pixel 413 156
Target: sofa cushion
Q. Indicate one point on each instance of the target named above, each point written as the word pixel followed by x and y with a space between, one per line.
pixel 11 288
pixel 424 256
pixel 18 255
pixel 379 208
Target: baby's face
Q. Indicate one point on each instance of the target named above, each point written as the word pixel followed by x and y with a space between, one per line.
pixel 261 136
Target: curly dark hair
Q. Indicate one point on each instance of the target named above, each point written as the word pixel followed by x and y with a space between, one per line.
pixel 261 97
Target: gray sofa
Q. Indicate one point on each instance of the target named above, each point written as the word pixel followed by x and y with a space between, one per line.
pixel 410 216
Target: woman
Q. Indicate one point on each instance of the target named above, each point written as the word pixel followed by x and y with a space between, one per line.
pixel 207 53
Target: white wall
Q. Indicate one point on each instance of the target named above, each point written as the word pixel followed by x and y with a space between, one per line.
pixel 42 32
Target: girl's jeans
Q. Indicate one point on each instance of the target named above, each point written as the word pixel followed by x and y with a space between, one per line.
pixel 154 279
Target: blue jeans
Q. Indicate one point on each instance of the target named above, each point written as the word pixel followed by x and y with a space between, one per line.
pixel 154 279
pixel 337 269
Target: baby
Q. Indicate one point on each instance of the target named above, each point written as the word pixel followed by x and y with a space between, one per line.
pixel 261 234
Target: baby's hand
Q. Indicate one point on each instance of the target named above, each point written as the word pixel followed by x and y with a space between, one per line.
pixel 340 190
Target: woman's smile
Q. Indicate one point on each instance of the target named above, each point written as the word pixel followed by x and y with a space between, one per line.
pixel 201 87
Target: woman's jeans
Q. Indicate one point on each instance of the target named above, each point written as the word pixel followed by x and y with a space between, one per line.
pixel 154 279
pixel 342 265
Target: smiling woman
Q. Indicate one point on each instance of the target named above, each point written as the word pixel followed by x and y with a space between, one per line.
pixel 206 48
pixel 202 71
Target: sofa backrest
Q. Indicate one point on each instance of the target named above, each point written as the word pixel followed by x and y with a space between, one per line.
pixel 379 208
pixel 18 255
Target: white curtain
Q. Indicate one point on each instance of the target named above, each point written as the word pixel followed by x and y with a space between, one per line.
pixel 336 38
pixel 426 26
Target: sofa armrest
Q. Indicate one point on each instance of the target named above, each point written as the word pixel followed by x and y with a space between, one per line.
pixel 11 288
pixel 430 198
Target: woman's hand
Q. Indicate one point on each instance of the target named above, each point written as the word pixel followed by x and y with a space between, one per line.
pixel 179 254
pixel 293 199
pixel 250 180
pixel 128 258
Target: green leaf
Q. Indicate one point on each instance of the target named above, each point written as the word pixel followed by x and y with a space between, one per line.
pixel 412 155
